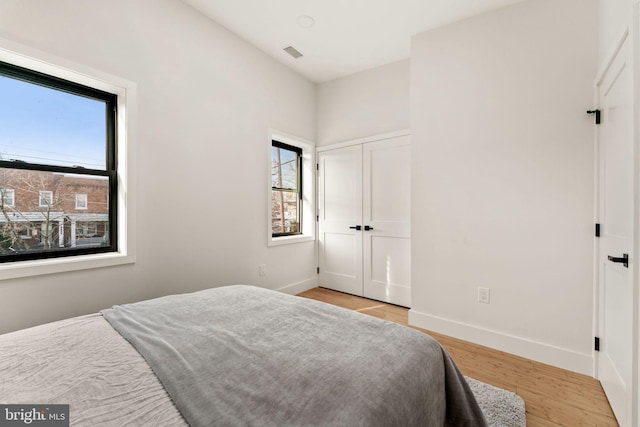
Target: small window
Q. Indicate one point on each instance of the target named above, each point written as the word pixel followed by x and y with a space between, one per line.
pixel 45 199
pixel 286 189
pixel 25 231
pixel 81 201
pixel 8 197
pixel 87 229
pixel 291 200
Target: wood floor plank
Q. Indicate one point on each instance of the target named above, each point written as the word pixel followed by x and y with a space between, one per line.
pixel 553 396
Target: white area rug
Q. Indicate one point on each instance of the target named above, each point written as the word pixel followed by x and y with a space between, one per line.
pixel 501 408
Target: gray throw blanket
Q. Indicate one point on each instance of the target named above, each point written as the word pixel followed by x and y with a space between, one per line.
pixel 241 355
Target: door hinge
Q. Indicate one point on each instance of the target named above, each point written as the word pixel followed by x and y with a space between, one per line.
pixel 596 344
pixel 597 113
pixel 317 218
pixel 318 269
pixel 597 230
pixel 317 166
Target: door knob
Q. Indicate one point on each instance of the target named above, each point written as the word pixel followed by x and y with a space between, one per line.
pixel 624 260
pixel 356 227
pixel 367 228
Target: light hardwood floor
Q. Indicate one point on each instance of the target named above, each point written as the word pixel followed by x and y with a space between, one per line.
pixel 553 396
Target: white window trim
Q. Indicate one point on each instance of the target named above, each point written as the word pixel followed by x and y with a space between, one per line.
pixel 86 202
pixel 47 203
pixel 27 57
pixel 13 197
pixel 308 190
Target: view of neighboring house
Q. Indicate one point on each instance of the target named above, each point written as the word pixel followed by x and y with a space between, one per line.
pixel 47 210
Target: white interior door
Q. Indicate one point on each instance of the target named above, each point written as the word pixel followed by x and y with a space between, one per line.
pixel 386 220
pixel 616 207
pixel 340 211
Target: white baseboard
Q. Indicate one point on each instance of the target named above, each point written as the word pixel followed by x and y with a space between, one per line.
pixel 534 350
pixel 296 288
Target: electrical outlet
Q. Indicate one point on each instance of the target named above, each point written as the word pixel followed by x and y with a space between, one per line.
pixel 483 295
pixel 262 269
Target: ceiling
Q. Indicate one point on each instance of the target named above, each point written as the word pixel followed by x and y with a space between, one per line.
pixel 347 36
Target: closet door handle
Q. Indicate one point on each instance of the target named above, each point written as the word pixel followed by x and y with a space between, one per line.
pixel 367 228
pixel 356 227
pixel 624 260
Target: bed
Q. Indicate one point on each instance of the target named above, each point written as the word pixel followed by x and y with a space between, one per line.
pixel 235 355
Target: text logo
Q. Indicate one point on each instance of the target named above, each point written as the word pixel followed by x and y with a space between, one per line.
pixel 34 415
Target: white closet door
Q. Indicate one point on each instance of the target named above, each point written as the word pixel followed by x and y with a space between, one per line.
pixel 386 211
pixel 364 201
pixel 340 210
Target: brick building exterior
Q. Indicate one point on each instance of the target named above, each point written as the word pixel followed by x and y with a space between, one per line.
pixel 46 210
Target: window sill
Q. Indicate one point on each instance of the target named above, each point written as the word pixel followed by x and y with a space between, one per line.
pixel 287 240
pixel 13 270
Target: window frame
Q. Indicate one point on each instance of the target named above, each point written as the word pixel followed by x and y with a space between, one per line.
pixel 307 190
pixel 298 190
pixel 88 225
pixel 41 197
pixel 110 101
pixel 126 92
pixel 13 197
pixel 86 202
pixel 27 234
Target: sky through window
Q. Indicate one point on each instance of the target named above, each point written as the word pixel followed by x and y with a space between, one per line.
pixel 48 126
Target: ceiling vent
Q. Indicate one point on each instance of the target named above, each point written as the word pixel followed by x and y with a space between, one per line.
pixel 293 52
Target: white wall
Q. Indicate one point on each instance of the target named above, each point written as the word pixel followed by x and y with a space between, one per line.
pixel 368 103
pixel 502 179
pixel 206 100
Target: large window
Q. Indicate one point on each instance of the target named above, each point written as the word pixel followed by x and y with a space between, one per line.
pixel 57 142
pixel 286 189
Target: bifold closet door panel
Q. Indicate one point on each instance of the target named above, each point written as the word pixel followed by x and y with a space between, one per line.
pixel 386 213
pixel 340 219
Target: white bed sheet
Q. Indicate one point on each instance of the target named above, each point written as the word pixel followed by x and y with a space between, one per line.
pixel 85 361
